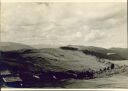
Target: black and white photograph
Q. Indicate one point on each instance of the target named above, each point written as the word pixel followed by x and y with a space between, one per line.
pixel 63 45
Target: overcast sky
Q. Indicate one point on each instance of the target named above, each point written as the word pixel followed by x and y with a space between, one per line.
pixel 89 24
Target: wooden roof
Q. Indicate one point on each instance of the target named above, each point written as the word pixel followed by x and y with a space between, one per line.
pixel 12 79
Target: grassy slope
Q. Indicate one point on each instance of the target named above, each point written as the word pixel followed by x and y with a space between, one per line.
pixel 61 60
pixel 54 59
pixel 120 53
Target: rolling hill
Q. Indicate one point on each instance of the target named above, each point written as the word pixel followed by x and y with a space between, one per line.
pixel 9 46
pixel 123 52
pixel 50 64
pixel 112 53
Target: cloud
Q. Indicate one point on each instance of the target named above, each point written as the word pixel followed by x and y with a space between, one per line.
pixel 98 24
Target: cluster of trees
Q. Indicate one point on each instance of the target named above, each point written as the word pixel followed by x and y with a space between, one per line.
pixel 69 48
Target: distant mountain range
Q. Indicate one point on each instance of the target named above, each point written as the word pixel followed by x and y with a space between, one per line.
pixel 9 46
pixel 112 53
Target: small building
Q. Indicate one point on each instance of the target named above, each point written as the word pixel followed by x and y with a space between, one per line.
pixel 36 76
pixel 12 81
pixel 8 79
pixel 5 72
